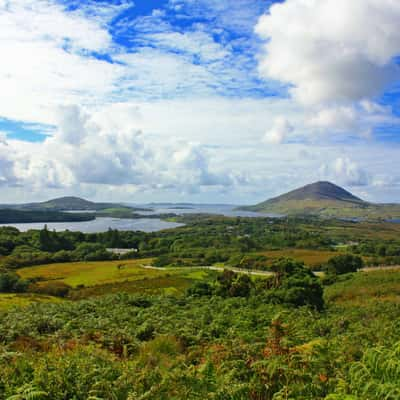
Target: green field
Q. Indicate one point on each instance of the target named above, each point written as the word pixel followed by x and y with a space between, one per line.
pixel 104 272
pixel 97 278
pixel 91 273
pixel 24 299
pixel 367 287
pixel 311 258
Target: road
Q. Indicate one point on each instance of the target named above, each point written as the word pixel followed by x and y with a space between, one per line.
pixel 214 268
pixel 267 273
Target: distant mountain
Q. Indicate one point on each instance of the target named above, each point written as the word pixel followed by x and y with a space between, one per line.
pixel 317 191
pixel 325 199
pixel 65 204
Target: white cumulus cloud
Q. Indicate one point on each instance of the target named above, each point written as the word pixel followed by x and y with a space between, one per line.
pixel 279 132
pixel 345 171
pixel 331 50
pixel 89 149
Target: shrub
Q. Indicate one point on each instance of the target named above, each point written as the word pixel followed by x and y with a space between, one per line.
pixel 200 289
pixel 58 289
pixel 294 284
pixel 163 261
pixel 344 264
pixel 231 284
pixel 12 283
pixel 91 252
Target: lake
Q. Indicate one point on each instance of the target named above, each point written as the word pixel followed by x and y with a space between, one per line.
pixel 227 210
pixel 143 224
pixel 102 225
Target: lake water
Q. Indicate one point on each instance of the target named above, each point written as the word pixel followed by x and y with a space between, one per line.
pixel 143 224
pixel 227 210
pixel 102 225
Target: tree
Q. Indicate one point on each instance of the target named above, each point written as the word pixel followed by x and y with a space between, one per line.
pixel 344 264
pixel 295 284
pixel 45 242
pixel 241 286
pixel 230 284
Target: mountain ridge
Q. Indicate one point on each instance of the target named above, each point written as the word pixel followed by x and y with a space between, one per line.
pixel 325 199
pixel 321 190
pixel 66 203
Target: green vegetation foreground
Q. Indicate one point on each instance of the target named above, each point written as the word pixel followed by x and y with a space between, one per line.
pixel 224 340
pixel 180 333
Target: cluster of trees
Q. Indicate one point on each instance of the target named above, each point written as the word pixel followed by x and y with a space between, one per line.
pixel 344 264
pixel 228 284
pixel 379 252
pixel 292 284
pixel 205 240
pixel 44 246
pixel 378 248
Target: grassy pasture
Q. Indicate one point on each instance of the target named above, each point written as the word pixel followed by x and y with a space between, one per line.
pixel 24 299
pixel 91 273
pixel 330 208
pixel 365 287
pixel 363 230
pixel 311 258
pixel 171 285
pixel 98 278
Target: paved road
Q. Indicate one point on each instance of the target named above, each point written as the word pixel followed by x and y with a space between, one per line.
pixel 214 268
pixel 267 273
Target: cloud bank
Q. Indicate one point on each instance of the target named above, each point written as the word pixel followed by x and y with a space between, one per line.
pixel 208 100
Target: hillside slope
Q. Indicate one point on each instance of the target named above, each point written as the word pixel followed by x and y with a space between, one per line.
pixel 69 203
pixel 325 199
pixel 317 191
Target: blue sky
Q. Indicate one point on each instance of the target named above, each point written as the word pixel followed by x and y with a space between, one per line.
pixel 198 100
pixel 230 24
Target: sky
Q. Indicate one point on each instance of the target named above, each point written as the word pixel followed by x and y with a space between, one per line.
pixel 210 101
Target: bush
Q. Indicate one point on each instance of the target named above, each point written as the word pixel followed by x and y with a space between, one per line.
pixel 294 284
pixel 58 289
pixel 200 289
pixel 130 255
pixel 91 252
pixel 62 256
pixel 231 284
pixel 248 261
pixel 344 264
pixel 163 261
pixel 12 283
